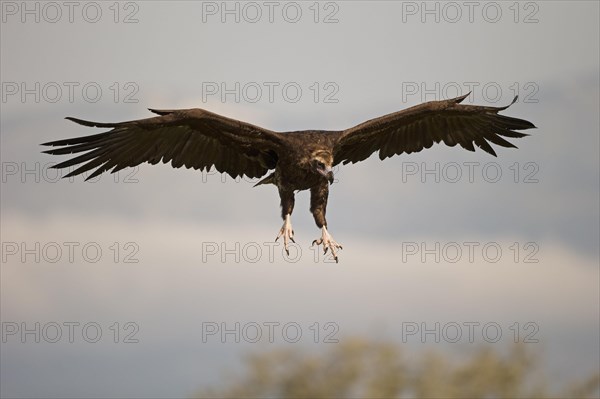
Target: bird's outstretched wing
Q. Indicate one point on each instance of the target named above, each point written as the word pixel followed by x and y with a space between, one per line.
pixel 193 138
pixel 418 127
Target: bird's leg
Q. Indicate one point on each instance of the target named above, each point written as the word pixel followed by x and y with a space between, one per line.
pixel 328 243
pixel 318 207
pixel 287 206
pixel 287 233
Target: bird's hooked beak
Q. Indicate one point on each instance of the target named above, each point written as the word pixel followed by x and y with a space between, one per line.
pixel 327 172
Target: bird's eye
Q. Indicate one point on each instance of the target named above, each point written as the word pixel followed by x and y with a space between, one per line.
pixel 320 164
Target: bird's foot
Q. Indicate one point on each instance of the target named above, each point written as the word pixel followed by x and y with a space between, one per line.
pixel 287 233
pixel 328 243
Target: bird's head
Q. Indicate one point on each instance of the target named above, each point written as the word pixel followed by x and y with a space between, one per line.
pixel 322 163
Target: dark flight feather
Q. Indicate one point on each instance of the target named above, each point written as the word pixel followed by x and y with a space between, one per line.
pixel 192 138
pixel 199 139
pixel 418 127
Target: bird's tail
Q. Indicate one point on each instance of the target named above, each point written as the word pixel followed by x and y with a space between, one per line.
pixel 267 180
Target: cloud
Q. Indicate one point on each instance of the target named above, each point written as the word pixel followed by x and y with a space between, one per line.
pixel 181 282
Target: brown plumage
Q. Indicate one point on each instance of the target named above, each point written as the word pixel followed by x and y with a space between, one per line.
pixel 302 160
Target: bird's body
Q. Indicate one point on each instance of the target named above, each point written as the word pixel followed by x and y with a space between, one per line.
pixel 294 164
pixel 301 160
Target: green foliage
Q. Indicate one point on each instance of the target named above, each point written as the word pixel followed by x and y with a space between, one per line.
pixel 358 368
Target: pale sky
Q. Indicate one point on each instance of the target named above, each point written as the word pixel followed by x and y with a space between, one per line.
pixel 368 59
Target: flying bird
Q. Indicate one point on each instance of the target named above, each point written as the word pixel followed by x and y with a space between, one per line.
pixel 299 160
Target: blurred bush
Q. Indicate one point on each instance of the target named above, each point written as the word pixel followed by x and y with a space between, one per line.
pixel 359 368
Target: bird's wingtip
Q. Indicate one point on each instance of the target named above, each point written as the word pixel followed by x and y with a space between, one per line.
pixel 514 100
pixel 461 98
pixel 160 111
pixel 83 122
pixel 90 123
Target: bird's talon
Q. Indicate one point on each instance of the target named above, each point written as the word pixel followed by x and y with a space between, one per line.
pixel 287 233
pixel 328 244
